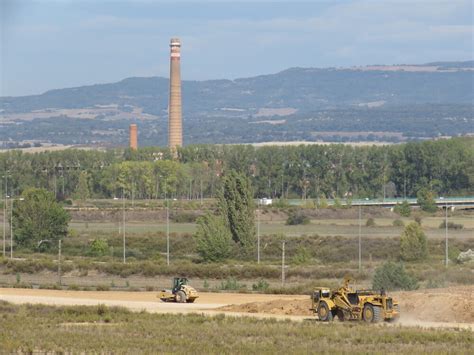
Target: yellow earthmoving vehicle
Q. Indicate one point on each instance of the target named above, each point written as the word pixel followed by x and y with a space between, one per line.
pixel 347 304
pixel 181 292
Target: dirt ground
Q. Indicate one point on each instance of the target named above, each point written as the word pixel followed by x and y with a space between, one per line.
pixel 446 307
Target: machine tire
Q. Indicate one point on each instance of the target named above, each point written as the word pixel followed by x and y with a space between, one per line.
pixel 340 315
pixel 372 314
pixel 324 313
pixel 180 297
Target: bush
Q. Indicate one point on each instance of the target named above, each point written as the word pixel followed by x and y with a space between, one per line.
pixel 418 219
pixel 280 203
pixel 370 222
pixel 393 276
pixel 425 199
pixel 99 247
pixel 403 209
pixel 398 223
pixel 451 225
pixel 261 285
pixel 296 218
pixel 232 284
pixel 213 238
pixel 184 218
pixel 302 256
pixel 413 243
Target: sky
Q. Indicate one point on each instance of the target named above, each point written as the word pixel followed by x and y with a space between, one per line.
pixel 51 44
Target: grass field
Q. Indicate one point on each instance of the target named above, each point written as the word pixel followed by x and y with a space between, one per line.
pixel 98 329
pixel 323 227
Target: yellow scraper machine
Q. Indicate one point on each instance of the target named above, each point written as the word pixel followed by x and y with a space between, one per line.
pixel 348 304
pixel 181 292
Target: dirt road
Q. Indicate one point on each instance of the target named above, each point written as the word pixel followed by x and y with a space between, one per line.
pixel 451 307
pixel 135 300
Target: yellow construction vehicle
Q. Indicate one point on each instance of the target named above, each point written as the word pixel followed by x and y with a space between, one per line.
pixel 348 304
pixel 181 292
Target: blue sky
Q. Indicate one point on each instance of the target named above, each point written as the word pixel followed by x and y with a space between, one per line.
pixel 48 44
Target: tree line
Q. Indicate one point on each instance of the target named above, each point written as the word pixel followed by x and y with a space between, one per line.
pixel 306 171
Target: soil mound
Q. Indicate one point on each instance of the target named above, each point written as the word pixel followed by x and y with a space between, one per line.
pixel 283 307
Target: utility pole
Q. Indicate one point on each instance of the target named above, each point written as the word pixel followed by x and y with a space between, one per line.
pixel 167 233
pixel 11 229
pixel 5 216
pixel 446 231
pixel 201 189
pixel 258 233
pixel 283 262
pixel 360 237
pixel 59 262
pixel 123 226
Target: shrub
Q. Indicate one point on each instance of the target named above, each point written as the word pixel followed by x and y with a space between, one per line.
pixel 323 202
pixel 261 285
pixel 231 284
pixel 403 209
pixel 451 225
pixel 418 219
pixel 184 218
pixel 337 203
pixel 413 243
pixel 393 276
pixel 296 218
pixel 213 238
pixel 99 247
pixel 103 288
pixel 425 199
pixel 302 255
pixel 370 222
pixel 280 203
pixel 398 223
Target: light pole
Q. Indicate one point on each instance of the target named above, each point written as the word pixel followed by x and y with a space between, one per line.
pixel 11 224
pixel 167 231
pixel 123 226
pixel 283 262
pixel 258 232
pixel 360 238
pixel 11 229
pixel 446 232
pixel 5 215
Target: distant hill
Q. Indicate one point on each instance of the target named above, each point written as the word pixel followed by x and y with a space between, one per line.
pixel 295 94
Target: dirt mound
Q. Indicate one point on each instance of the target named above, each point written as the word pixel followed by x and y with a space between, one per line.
pixel 283 307
pixel 454 304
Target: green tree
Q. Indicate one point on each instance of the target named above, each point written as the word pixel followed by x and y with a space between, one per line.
pixel 39 217
pixel 213 238
pixel 403 209
pixel 426 200
pixel 82 191
pixel 237 208
pixel 413 243
pixel 393 276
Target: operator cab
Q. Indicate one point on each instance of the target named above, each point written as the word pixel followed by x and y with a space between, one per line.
pixel 178 282
pixel 321 293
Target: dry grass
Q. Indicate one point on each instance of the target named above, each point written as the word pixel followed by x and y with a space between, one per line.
pixel 115 330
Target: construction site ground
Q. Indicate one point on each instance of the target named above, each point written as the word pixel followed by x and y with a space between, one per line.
pixel 443 307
